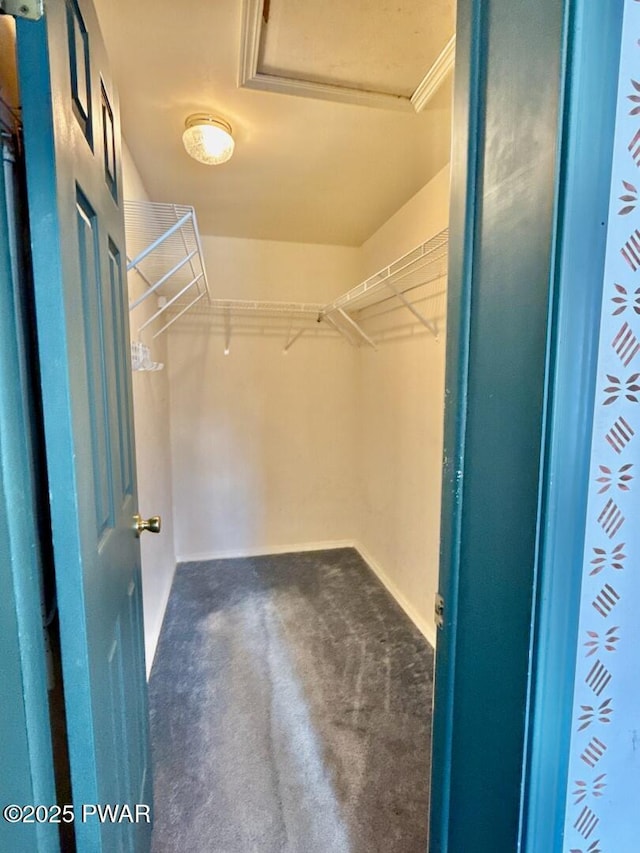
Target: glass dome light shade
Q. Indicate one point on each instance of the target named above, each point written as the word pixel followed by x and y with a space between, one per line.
pixel 208 139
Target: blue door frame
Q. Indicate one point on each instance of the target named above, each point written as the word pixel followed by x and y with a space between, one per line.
pixel 26 758
pixel 584 180
pixel 527 88
pixel 533 127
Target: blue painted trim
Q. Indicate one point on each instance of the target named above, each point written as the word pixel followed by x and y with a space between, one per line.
pixel 507 107
pixel 591 74
pixel 466 167
pixel 27 760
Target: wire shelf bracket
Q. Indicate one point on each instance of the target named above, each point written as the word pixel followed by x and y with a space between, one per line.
pixel 422 265
pixel 164 248
pixel 299 317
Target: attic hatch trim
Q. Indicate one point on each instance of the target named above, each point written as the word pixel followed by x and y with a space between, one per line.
pixel 249 77
pixel 164 248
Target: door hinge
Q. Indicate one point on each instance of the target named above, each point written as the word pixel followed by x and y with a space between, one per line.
pixel 439 611
pixel 30 9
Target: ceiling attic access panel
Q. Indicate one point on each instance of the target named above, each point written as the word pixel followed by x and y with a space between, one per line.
pixel 393 56
pixel 303 166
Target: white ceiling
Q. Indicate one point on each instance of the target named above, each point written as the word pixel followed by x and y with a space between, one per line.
pixel 304 169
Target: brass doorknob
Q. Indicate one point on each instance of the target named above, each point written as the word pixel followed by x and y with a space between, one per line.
pixel 152 524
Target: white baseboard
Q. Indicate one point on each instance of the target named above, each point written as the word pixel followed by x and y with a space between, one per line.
pixel 152 634
pixel 266 550
pixel 427 629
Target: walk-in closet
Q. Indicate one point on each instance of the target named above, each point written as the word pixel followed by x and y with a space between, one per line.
pixel 317 401
pixel 288 319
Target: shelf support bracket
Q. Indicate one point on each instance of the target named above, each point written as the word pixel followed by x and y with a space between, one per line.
pixel 161 281
pixel 227 331
pixel 293 339
pixel 357 328
pixel 426 323
pixel 177 316
pixel 338 328
pixel 168 304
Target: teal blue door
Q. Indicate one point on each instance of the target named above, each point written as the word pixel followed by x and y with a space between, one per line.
pixel 534 89
pixel 71 135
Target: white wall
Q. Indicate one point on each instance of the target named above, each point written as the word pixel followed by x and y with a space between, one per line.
pixel 420 218
pixel 263 443
pixel 327 444
pixel 268 269
pixel 153 453
pixel 401 409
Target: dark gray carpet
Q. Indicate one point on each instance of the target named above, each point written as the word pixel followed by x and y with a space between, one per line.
pixel 290 711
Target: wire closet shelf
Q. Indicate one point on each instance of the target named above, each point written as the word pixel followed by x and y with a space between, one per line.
pixel 417 268
pixel 164 247
pixel 394 283
pixel 293 319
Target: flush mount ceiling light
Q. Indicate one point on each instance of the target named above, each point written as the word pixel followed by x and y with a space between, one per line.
pixel 208 139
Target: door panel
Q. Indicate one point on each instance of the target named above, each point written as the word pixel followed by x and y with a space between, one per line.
pixel 71 127
pixel 92 294
pixel 118 354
